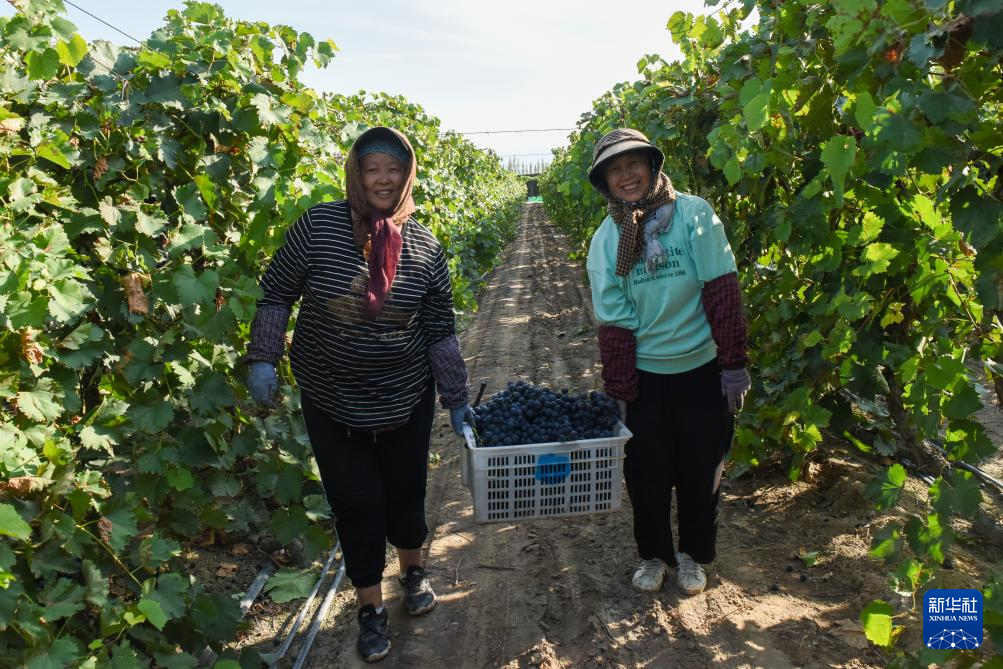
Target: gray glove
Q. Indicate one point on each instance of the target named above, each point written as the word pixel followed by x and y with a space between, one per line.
pixel 263 382
pixel 735 383
pixel 458 415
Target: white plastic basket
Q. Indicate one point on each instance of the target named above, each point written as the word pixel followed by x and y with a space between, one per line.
pixel 566 478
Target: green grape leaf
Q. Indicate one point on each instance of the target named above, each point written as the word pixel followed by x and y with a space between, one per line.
pixel 43 65
pixel 70 299
pixel 877 620
pixel 757 111
pixel 166 90
pixel 959 496
pixel 181 479
pixel 977 216
pixel 119 529
pixel 95 583
pixel 170 591
pixel 71 52
pixel 24 195
pixel 98 438
pixel 733 171
pixel 153 612
pixel 216 616
pixel 152 59
pixel 886 488
pixel 962 402
pixel 62 599
pixel 26 310
pixel 270 112
pixel 156 550
pixel 212 393
pixel 179 661
pixel 876 259
pixel 838 155
pixel 288 584
pixel 191 235
pixel 39 405
pixel 150 225
pixel 62 653
pixel 82 346
pixel 190 201
pixel 12 524
pixel 887 545
pixel 287 524
pixel 863 110
pixel 152 418
pixel 52 153
pixel 194 289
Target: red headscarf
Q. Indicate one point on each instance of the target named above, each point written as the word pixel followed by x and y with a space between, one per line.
pixel 378 233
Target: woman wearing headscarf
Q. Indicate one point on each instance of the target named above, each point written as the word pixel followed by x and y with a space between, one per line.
pixel 374 338
pixel 672 341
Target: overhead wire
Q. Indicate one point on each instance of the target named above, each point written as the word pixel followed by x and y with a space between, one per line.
pixel 147 46
pixel 498 132
pixel 115 28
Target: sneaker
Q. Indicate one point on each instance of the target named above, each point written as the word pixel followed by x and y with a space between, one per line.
pixel 650 574
pixel 418 595
pixel 373 643
pixel 691 577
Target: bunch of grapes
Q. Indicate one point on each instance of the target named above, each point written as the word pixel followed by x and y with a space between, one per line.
pixel 527 414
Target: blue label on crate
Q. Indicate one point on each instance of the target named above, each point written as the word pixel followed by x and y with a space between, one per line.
pixel 952 619
pixel 552 468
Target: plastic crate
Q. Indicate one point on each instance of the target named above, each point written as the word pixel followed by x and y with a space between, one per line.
pixel 566 478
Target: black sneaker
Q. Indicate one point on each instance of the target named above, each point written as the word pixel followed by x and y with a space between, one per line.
pixel 418 595
pixel 373 643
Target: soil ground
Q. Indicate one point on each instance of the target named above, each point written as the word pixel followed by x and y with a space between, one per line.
pixel 556 593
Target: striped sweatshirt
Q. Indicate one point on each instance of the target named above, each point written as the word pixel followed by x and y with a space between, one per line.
pixel 364 374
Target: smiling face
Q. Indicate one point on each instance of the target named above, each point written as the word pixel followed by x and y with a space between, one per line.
pixel 628 175
pixel 382 180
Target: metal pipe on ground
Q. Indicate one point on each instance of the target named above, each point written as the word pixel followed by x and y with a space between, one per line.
pixel 283 648
pixel 318 619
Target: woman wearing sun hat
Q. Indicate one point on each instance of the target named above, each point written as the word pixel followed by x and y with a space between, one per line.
pixel 672 341
pixel 374 338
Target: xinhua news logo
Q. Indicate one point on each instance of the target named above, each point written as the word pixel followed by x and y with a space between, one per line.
pixel 952 619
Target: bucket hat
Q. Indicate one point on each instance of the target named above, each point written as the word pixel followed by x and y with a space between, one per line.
pixel 615 143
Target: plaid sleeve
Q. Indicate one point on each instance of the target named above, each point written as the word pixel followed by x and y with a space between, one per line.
pixel 618 354
pixel 268 333
pixel 449 372
pixel 722 302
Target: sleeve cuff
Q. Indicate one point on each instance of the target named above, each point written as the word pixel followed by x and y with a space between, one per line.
pixel 450 372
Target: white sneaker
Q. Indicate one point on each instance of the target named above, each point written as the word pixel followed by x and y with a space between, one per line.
pixel 691 577
pixel 650 574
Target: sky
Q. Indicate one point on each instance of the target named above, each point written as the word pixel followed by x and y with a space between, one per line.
pixel 478 66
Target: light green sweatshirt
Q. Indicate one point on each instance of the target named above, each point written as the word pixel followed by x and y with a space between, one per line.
pixel 663 309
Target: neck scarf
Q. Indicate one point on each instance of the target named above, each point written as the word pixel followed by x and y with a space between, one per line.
pixel 628 215
pixel 378 233
pixel 384 253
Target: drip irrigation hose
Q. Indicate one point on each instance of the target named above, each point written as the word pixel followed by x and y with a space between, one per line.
pixel 967 467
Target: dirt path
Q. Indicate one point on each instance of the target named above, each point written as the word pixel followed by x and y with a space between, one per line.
pixel 556 593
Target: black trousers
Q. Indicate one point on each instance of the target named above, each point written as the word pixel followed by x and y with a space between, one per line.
pixel 682 431
pixel 375 484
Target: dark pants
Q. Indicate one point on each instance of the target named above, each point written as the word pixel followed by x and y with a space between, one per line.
pixel 682 430
pixel 375 485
